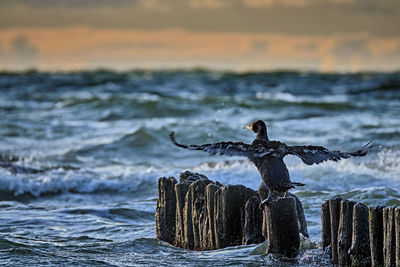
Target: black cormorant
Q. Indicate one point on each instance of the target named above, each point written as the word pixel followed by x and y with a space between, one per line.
pixel 268 156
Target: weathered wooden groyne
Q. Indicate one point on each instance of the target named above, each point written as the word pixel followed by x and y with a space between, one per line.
pixel 355 235
pixel 199 214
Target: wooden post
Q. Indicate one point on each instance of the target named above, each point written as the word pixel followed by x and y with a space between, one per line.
pixel 192 213
pixel 263 192
pixel 166 209
pixel 229 212
pixel 334 210
pixel 185 180
pixel 376 235
pixel 326 225
pixel 389 237
pixel 199 211
pixel 300 215
pixel 360 253
pixel 188 241
pixel 180 193
pixel 252 222
pixel 280 217
pixel 199 214
pixel 345 231
pixel 210 231
pixel 397 228
pixel 373 234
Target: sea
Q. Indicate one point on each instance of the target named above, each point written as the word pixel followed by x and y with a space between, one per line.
pixel 81 153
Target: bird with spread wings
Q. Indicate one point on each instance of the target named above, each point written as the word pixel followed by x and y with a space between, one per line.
pixel 268 156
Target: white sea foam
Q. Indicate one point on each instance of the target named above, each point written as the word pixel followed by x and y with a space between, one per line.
pixel 287 97
pixel 59 181
pixel 376 170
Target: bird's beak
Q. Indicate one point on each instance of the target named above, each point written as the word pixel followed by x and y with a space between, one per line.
pixel 250 127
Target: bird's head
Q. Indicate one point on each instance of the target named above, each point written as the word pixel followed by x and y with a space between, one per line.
pixel 259 128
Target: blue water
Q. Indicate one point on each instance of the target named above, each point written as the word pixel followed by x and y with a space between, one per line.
pixel 88 148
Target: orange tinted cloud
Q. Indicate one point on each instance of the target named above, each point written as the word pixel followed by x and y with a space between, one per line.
pixel 268 3
pixel 83 47
pixel 293 17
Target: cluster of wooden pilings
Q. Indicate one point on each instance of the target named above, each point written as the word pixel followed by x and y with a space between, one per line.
pixel 199 214
pixel 360 236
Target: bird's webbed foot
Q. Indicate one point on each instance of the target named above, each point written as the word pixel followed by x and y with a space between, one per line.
pixel 266 201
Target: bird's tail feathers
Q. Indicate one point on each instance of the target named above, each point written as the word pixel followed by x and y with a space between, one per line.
pixel 298 184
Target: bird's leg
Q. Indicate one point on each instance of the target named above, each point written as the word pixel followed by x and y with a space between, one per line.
pixel 285 194
pixel 266 201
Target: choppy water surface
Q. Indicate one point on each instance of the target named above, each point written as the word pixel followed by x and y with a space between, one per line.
pixel 88 148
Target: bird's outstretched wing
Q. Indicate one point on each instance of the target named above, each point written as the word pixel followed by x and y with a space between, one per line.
pixel 227 148
pixel 317 154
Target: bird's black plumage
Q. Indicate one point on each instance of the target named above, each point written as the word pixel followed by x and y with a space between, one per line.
pixel 268 155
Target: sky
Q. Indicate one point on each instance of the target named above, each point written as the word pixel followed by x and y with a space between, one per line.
pixel 239 35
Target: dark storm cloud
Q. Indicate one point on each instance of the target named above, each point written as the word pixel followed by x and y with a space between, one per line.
pixel 296 17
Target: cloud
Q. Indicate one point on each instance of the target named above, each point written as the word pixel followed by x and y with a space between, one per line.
pixel 83 47
pixel 372 7
pixel 346 49
pixel 367 5
pixel 23 49
pixel 365 53
pixel 135 45
pixel 292 17
pixel 155 5
pixel 208 4
pixel 259 47
pixel 68 4
pixel 397 50
pixel 307 46
pixel 17 52
pixel 269 3
pixel 296 3
pixel 393 55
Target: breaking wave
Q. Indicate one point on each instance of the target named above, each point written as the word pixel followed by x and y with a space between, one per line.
pixel 58 182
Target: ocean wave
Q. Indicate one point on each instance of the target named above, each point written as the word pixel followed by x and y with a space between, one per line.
pixel 60 181
pixel 124 215
pixel 329 102
pixel 373 196
pixel 130 173
pixel 382 165
pixel 378 168
pixel 104 99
